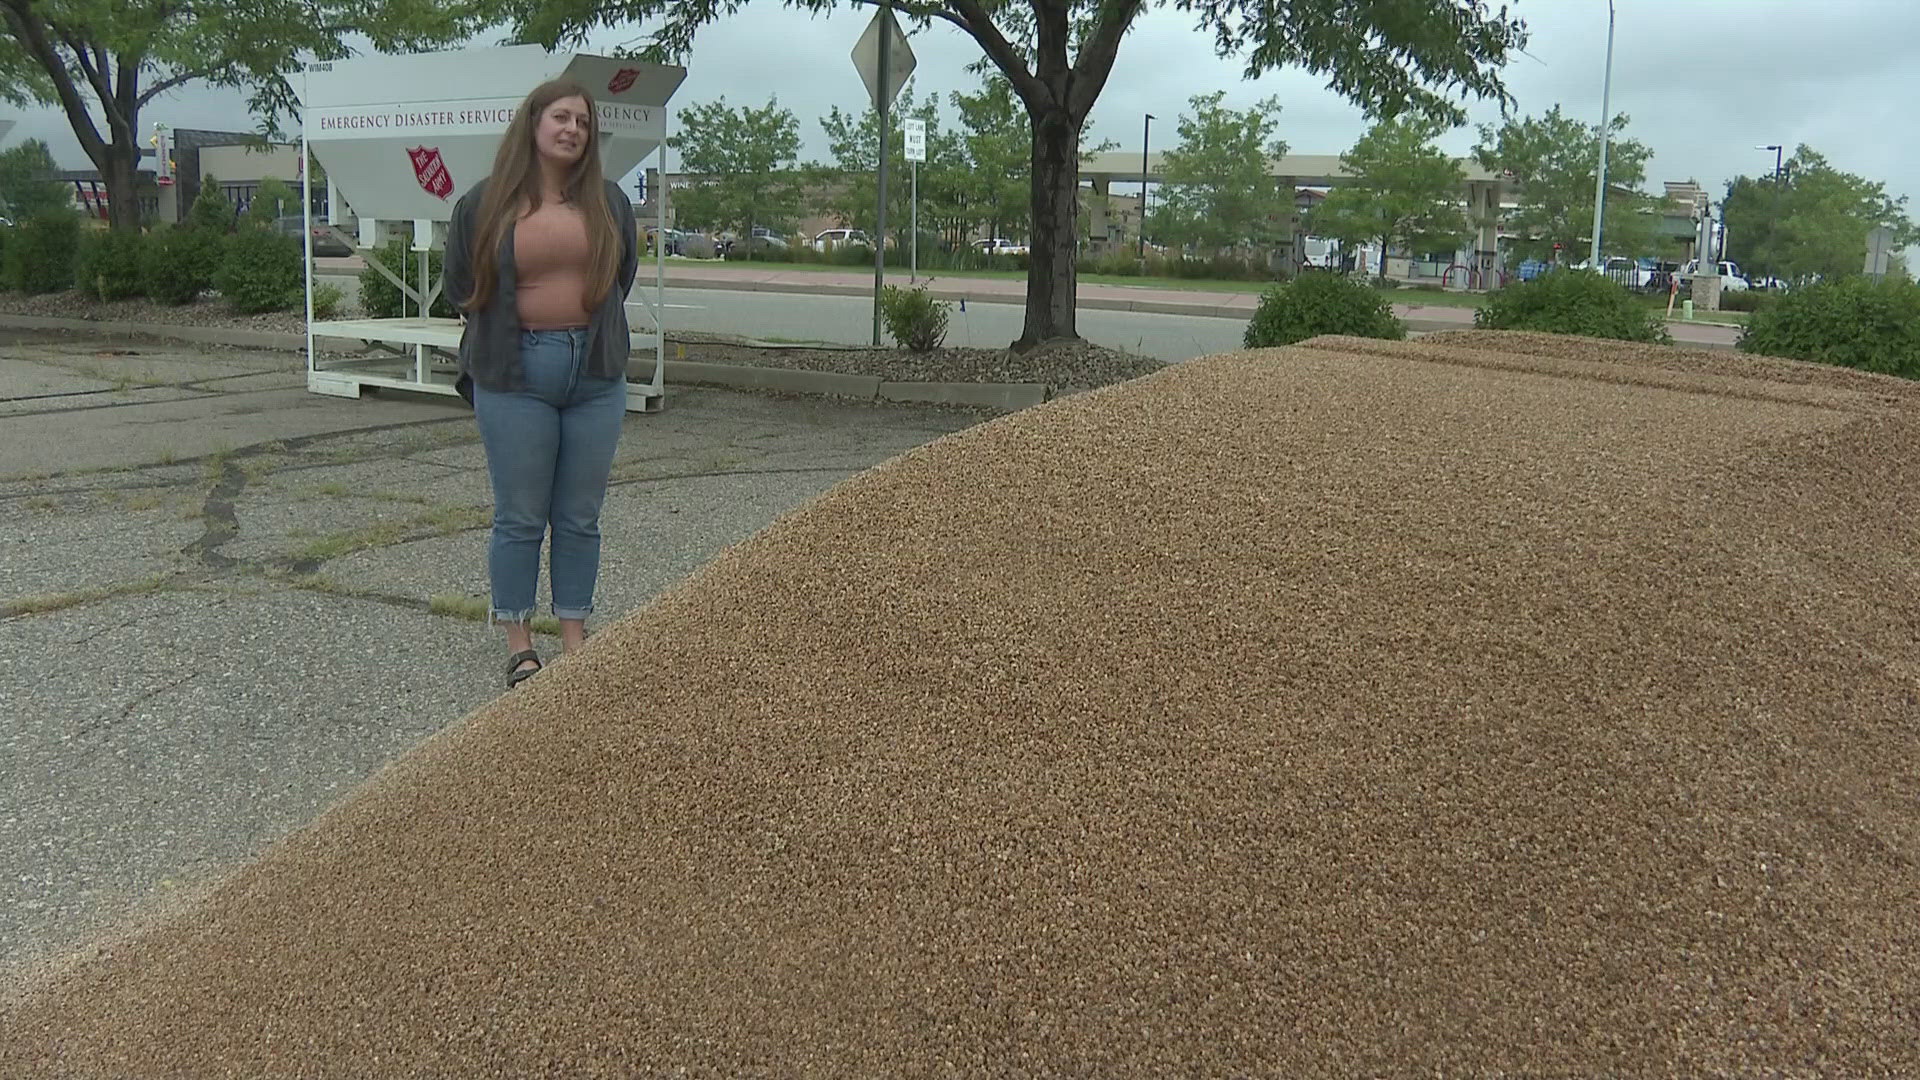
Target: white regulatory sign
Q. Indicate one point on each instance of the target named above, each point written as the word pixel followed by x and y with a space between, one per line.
pixel 916 136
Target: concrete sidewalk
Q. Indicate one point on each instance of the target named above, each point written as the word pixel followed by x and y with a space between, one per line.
pixel 225 601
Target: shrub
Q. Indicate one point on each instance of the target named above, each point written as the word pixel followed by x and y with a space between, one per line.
pixel 40 254
pixel 379 299
pixel 211 209
pixel 1572 302
pixel 1317 303
pixel 261 271
pixel 176 265
pixel 915 319
pixel 111 264
pixel 1854 323
pixel 271 200
pixel 1751 300
pixel 326 300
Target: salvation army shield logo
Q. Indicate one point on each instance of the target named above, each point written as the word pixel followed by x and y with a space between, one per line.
pixel 622 80
pixel 431 171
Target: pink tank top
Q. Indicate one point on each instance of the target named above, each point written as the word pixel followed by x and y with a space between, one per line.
pixel 550 252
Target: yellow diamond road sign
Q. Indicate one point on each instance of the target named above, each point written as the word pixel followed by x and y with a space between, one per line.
pixel 866 58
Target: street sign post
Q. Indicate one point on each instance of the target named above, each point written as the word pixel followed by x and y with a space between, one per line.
pixel 884 61
pixel 1879 252
pixel 916 137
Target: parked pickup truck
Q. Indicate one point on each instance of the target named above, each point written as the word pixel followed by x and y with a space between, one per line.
pixel 1731 279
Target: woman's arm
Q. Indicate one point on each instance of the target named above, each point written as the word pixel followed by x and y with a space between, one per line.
pixel 629 243
pixel 457 269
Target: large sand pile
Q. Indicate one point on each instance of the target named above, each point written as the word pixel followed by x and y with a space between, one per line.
pixel 1487 704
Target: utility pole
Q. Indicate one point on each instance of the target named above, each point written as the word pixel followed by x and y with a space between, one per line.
pixel 1146 132
pixel 880 241
pixel 1600 184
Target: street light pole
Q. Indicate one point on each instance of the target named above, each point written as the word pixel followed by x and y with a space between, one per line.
pixel 1600 184
pixel 1146 132
pixel 1773 212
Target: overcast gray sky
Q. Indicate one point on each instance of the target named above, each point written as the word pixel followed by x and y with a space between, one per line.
pixel 1703 80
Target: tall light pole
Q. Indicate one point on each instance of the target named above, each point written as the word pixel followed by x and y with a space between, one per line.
pixel 1600 184
pixel 1146 132
pixel 1773 212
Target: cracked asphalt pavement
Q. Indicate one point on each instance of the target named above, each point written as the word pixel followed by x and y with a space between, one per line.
pixel 225 601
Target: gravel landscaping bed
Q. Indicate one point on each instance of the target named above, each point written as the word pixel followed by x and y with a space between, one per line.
pixel 1063 365
pixel 1508 706
pixel 206 312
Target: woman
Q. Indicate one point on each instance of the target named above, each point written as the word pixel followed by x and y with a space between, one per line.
pixel 540 256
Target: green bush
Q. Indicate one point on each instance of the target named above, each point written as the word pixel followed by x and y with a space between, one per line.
pixel 110 264
pixel 261 271
pixel 1572 302
pixel 1320 303
pixel 40 254
pixel 271 200
pixel 917 322
pixel 1751 300
pixel 379 299
pixel 211 209
pixel 177 263
pixel 326 300
pixel 1854 323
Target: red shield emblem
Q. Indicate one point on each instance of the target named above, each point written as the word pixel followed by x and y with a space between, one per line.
pixel 622 80
pixel 431 171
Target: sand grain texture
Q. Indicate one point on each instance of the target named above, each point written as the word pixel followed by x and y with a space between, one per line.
pixel 1491 704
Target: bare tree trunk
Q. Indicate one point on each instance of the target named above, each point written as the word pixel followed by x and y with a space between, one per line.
pixel 1052 254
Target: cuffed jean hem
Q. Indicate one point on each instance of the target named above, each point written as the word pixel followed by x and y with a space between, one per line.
pixel 495 616
pixel 580 613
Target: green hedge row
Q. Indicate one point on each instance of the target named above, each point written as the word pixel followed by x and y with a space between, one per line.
pixel 255 269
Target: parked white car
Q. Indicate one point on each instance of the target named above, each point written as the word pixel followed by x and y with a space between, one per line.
pixel 999 246
pixel 835 238
pixel 1731 280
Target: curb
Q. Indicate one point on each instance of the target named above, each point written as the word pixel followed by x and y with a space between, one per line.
pixel 1004 396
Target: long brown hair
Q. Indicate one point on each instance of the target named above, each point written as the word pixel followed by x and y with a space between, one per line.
pixel 514 189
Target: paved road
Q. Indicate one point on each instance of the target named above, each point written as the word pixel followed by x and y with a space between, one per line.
pixel 1166 323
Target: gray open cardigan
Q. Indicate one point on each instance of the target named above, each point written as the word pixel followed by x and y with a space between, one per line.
pixel 490 341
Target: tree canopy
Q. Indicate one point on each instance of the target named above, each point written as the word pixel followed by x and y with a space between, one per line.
pixel 1218 189
pixel 1553 161
pixel 1403 192
pixel 103 61
pixel 1813 222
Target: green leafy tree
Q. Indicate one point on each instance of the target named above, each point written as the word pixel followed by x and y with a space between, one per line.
pixel 1814 221
pixel 272 199
pixel 1418 55
pixel 745 163
pixel 25 191
pixel 1404 191
pixel 1218 186
pixel 103 61
pixel 999 144
pixel 1552 161
pixel 850 186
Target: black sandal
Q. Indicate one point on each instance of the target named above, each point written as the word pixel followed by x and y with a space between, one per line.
pixel 516 676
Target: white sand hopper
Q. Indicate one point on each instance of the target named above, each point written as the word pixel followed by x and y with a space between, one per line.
pixel 402 137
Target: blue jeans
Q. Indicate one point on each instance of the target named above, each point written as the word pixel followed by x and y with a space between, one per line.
pixel 549 451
